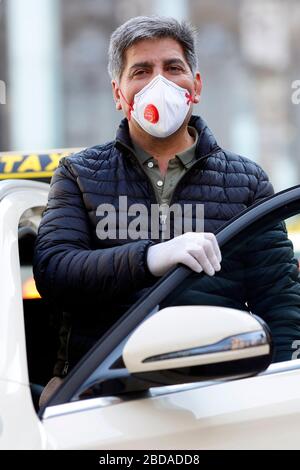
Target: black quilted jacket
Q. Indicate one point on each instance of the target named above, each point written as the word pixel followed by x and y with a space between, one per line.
pixel 94 281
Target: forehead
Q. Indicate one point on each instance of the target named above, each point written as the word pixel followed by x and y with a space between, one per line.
pixel 153 50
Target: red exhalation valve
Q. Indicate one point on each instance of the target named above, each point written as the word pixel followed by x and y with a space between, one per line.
pixel 151 113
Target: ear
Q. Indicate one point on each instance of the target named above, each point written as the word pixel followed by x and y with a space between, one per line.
pixel 197 87
pixel 116 94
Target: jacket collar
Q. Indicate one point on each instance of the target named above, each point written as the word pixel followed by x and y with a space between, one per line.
pixel 206 144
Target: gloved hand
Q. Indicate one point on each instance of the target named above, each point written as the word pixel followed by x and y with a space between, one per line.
pixel 198 251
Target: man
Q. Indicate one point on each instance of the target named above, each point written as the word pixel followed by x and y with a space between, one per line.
pixel 162 155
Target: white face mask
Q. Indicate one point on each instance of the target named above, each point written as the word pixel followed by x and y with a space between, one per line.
pixel 161 107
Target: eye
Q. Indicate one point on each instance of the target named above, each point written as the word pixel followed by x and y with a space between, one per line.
pixel 175 68
pixel 139 72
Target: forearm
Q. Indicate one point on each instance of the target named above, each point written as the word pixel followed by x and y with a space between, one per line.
pixel 69 277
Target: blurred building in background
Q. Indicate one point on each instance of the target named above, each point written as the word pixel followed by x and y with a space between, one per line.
pixel 54 65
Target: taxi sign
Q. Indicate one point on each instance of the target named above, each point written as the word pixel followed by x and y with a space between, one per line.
pixel 34 165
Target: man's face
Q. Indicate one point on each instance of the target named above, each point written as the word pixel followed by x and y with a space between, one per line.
pixel 144 61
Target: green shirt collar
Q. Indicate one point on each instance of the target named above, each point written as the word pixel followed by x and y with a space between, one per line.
pixel 186 157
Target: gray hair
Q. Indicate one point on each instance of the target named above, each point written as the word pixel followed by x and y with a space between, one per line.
pixel 149 27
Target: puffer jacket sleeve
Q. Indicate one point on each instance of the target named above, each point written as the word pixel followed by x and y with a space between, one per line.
pixel 67 271
pixel 272 281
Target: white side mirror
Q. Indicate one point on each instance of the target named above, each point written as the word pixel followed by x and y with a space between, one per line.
pixel 191 343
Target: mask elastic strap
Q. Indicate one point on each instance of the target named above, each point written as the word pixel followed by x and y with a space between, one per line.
pixel 189 97
pixel 129 104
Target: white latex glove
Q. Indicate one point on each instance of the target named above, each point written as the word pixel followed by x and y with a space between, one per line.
pixel 198 251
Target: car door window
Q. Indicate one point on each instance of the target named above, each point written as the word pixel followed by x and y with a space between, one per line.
pixel 249 265
pixel 256 252
pixel 260 274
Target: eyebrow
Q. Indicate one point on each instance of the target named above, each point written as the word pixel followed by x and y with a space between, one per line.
pixel 174 61
pixel 141 64
pixel 147 64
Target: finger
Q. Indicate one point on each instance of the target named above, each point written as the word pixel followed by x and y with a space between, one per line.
pixel 191 262
pixel 212 237
pixel 211 254
pixel 203 260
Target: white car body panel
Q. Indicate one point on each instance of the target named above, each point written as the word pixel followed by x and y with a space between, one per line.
pixel 20 427
pixel 256 413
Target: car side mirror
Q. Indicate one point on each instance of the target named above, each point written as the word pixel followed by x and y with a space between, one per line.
pixel 192 343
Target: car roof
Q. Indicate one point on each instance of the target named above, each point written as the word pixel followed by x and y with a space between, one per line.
pixel 38 166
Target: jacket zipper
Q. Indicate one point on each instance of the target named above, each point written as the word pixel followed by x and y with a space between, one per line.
pixel 183 176
pixel 162 218
pixel 67 363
